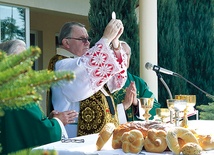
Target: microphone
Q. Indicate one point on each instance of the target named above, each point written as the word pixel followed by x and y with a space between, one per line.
pixel 155 68
pixel 158 69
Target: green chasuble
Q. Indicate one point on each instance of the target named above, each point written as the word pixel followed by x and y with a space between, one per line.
pixel 26 127
pixel 142 91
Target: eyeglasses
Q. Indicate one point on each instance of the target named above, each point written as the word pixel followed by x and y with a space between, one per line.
pixel 84 40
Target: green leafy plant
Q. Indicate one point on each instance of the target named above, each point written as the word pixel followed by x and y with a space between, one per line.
pixel 35 152
pixel 206 111
pixel 20 85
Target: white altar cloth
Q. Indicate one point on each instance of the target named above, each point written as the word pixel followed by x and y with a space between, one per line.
pixel 89 146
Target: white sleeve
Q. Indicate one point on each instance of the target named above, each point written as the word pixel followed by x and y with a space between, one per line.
pixel 64 133
pixel 121 114
pixel 95 68
pixel 141 111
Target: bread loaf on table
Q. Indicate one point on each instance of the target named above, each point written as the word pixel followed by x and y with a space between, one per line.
pixel 176 133
pixel 104 135
pixel 155 141
pixel 206 142
pixel 191 149
pixel 132 141
pixel 142 126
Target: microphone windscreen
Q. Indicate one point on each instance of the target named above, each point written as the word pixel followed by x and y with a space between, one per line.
pixel 148 66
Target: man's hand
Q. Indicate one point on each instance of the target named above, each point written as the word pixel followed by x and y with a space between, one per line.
pixel 66 117
pixel 131 96
pixel 113 31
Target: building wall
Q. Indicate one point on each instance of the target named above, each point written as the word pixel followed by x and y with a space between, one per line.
pixel 48 25
pixel 79 7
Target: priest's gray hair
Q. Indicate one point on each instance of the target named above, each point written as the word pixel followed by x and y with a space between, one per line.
pixel 13 46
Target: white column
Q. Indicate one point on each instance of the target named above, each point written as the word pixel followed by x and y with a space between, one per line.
pixel 148 41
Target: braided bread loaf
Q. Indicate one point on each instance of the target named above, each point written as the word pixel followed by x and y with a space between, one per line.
pixel 132 141
pixel 142 126
pixel 155 141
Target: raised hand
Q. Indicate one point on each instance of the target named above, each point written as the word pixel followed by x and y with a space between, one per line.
pixel 113 30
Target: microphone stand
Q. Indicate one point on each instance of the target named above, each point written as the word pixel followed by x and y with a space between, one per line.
pixel 157 70
pixel 207 94
pixel 168 90
pixel 164 83
pixel 170 94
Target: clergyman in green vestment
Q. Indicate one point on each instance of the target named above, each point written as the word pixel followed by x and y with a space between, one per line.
pixel 140 88
pixel 27 127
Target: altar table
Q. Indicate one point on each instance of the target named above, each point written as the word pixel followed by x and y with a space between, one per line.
pixel 89 146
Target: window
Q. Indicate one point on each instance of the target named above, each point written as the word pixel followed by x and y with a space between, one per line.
pixel 14 23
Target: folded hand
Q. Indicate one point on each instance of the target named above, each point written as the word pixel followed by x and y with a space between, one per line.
pixel 131 96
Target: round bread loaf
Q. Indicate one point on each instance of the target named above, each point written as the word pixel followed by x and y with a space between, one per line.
pixel 191 149
pixel 155 141
pixel 132 141
pixel 176 133
pixel 104 135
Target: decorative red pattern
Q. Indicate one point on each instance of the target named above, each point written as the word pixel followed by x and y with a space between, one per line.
pixel 102 69
pixel 98 58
